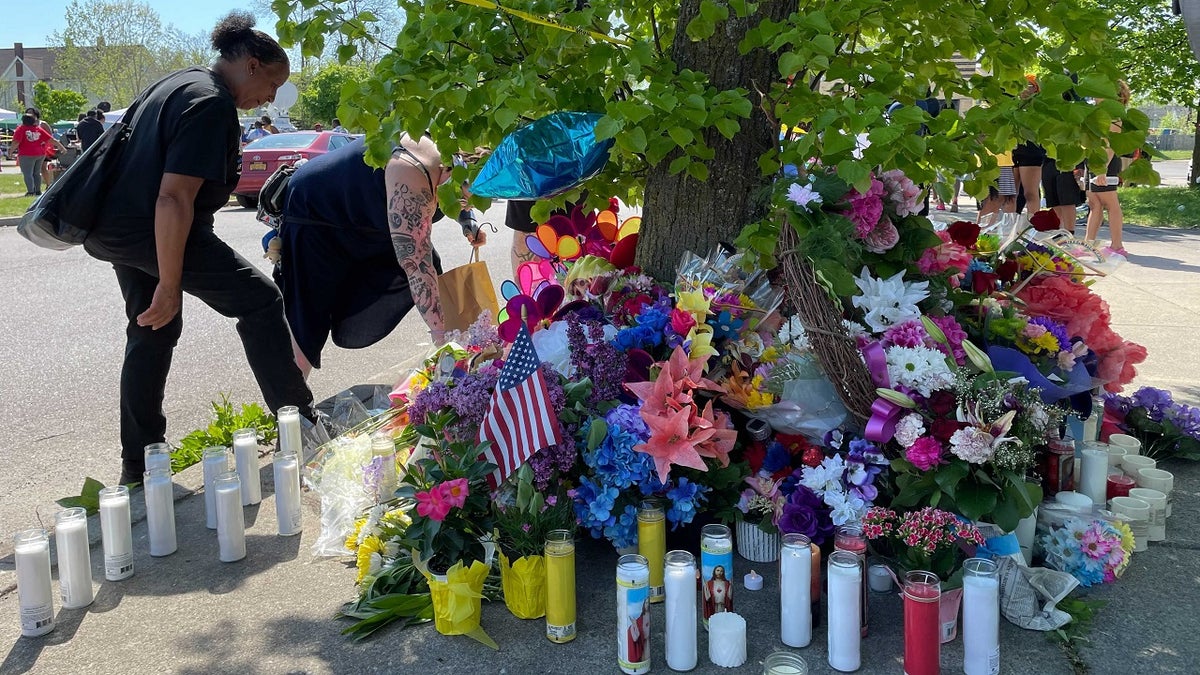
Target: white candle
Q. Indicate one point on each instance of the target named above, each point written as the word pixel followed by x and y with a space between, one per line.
pixel 35 599
pixel 1157 530
pixel 245 456
pixel 795 590
pixel 679 582
pixel 383 447
pixel 231 522
pixel 287 492
pixel 1157 479
pixel 1131 464
pixel 160 511
pixel 158 456
pixel 1132 445
pixel 981 617
pixel 215 462
pixel 116 532
pixel 1076 501
pixel 1136 514
pixel 290 437
pixel 844 607
pixel 727 639
pixel 1115 454
pixel 1026 529
pixel 879 578
pixel 74 557
pixel 1093 480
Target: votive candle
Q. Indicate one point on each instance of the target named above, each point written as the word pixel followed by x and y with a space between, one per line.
pixel 922 623
pixel 1119 485
pixel 231 522
pixel 384 447
pixel 652 543
pixel 35 599
pixel 116 531
pixel 215 462
pixel 981 617
pixel 1157 530
pixel 1136 514
pixel 844 606
pixel 160 511
pixel 287 491
pixel 245 457
pixel 1131 464
pixel 74 557
pixel 1157 479
pixel 795 590
pixel 727 639
pixel 679 583
pixel 1131 444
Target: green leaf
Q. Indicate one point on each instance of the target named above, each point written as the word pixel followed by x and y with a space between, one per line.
pixel 790 63
pixel 698 171
pixel 1096 86
pixel 824 44
pixel 975 501
pixel 633 140
pixel 505 117
pixel 728 128
pixel 948 477
pixel 700 28
pixel 596 433
pixel 680 135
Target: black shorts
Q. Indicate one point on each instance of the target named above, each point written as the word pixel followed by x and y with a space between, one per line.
pixel 1060 187
pixel 517 216
pixel 1028 154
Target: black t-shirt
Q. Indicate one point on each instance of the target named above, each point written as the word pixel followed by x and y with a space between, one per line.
pixel 186 124
pixel 89 131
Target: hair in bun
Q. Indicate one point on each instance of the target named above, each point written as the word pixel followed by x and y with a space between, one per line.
pixel 234 37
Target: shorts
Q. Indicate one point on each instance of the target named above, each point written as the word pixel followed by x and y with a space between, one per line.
pixel 517 216
pixel 1060 187
pixel 1113 169
pixel 1028 154
pixel 1006 184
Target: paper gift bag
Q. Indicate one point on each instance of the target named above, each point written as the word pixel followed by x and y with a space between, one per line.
pixel 466 292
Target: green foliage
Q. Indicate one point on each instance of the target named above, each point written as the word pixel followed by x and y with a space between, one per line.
pixel 726 484
pixel 1075 634
pixel 522 525
pixel 57 105
pixel 88 497
pixel 399 593
pixel 1161 207
pixel 220 431
pixel 321 93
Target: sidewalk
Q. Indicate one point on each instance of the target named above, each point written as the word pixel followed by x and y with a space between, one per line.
pixel 273 611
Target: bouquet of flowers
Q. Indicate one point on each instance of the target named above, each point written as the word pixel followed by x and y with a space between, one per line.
pixel 1093 551
pixel 1165 428
pixel 834 491
pixel 928 539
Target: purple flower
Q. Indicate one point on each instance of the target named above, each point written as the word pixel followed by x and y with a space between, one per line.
pixel 1155 401
pixel 806 514
pixel 1056 329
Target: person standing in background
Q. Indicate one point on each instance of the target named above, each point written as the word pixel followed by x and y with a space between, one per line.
pixel 266 124
pixel 1102 192
pixel 29 145
pixel 90 130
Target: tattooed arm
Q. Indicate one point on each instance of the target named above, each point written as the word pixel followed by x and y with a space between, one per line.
pixel 410 220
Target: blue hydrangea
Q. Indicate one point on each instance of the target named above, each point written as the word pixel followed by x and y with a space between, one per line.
pixel 686 498
pixel 614 462
pixel 623 530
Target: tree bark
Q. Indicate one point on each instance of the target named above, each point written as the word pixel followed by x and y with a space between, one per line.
pixel 681 213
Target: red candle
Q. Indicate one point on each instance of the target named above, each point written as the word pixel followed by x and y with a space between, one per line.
pixel 1119 485
pixel 850 538
pixel 922 623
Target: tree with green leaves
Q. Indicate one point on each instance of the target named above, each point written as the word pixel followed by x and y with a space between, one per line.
pixel 321 93
pixel 695 92
pixel 1158 62
pixel 57 105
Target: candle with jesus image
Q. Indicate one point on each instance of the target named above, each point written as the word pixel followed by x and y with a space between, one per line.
pixel 716 570
pixel 633 615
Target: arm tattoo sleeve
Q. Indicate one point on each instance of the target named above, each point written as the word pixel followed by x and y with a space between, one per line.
pixel 410 219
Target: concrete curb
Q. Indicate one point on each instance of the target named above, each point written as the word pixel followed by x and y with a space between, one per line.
pixel 10 221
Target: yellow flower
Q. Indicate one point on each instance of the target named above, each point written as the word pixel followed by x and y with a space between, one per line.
pixel 695 303
pixel 397 518
pixel 701 338
pixel 352 539
pixel 370 558
pixel 1047 342
pixel 759 397
pixel 770 354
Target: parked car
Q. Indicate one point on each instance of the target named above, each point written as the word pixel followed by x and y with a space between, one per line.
pixel 261 158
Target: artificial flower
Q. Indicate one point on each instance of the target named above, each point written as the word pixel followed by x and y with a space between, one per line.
pixel 890 301
pixel 671 443
pixel 1045 220
pixel 964 233
pixel 699 342
pixel 803 195
pixel 454 492
pixel 694 302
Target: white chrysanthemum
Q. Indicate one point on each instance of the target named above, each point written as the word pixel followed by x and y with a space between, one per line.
pixel 972 444
pixel 909 429
pixel 918 368
pixel 792 332
pixel 890 301
pixel 826 476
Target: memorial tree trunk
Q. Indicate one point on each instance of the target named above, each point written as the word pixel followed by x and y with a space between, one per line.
pixel 682 213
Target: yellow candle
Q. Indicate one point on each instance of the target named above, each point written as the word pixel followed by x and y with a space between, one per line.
pixel 560 586
pixel 652 544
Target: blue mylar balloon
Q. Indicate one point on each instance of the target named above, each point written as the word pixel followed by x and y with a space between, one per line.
pixel 550 156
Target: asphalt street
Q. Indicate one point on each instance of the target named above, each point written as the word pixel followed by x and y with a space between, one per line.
pixel 62 341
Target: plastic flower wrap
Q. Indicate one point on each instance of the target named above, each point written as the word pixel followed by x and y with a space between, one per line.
pixel 727 292
pixel 457 601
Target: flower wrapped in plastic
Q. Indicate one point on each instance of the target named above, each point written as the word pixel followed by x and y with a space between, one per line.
pixel 1094 550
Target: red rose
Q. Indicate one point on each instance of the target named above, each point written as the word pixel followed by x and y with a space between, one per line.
pixel 941 403
pixel 754 454
pixel 943 429
pixel 1045 220
pixel 681 321
pixel 813 457
pixel 963 233
pixel 983 283
pixel 1007 270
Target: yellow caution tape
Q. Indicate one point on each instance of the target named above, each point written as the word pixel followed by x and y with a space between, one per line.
pixel 542 21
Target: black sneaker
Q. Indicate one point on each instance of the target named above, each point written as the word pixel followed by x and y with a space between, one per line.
pixel 130 474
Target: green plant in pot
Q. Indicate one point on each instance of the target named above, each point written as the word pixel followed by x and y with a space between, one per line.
pixel 524 516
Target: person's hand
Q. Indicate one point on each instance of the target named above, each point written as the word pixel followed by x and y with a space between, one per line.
pixel 1101 181
pixel 479 239
pixel 163 307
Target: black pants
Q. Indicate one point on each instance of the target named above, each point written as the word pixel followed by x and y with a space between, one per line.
pixel 223 280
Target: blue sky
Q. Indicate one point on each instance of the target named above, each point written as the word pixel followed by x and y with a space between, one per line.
pixel 37 21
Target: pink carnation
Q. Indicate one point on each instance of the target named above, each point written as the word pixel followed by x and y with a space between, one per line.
pixel 866 209
pixel 925 453
pixel 954 335
pixel 907 334
pixel 902 192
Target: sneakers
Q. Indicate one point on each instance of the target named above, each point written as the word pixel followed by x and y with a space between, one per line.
pixel 1110 251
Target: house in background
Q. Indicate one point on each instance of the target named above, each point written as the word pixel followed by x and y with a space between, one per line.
pixel 20 68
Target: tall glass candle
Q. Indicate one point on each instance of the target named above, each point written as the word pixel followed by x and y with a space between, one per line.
pixel 844 606
pixel 287 490
pixel 795 590
pixel 679 579
pixel 981 617
pixel 74 557
pixel 652 543
pixel 633 614
pixel 160 511
pixel 716 570
pixel 158 456
pixel 290 437
pixel 231 522
pixel 35 599
pixel 384 447
pixel 922 623
pixel 245 457
pixel 116 531
pixel 850 538
pixel 1093 472
pixel 216 460
pixel 560 585
pixel 817 586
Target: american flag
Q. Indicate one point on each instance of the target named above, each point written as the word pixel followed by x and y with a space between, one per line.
pixel 520 420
